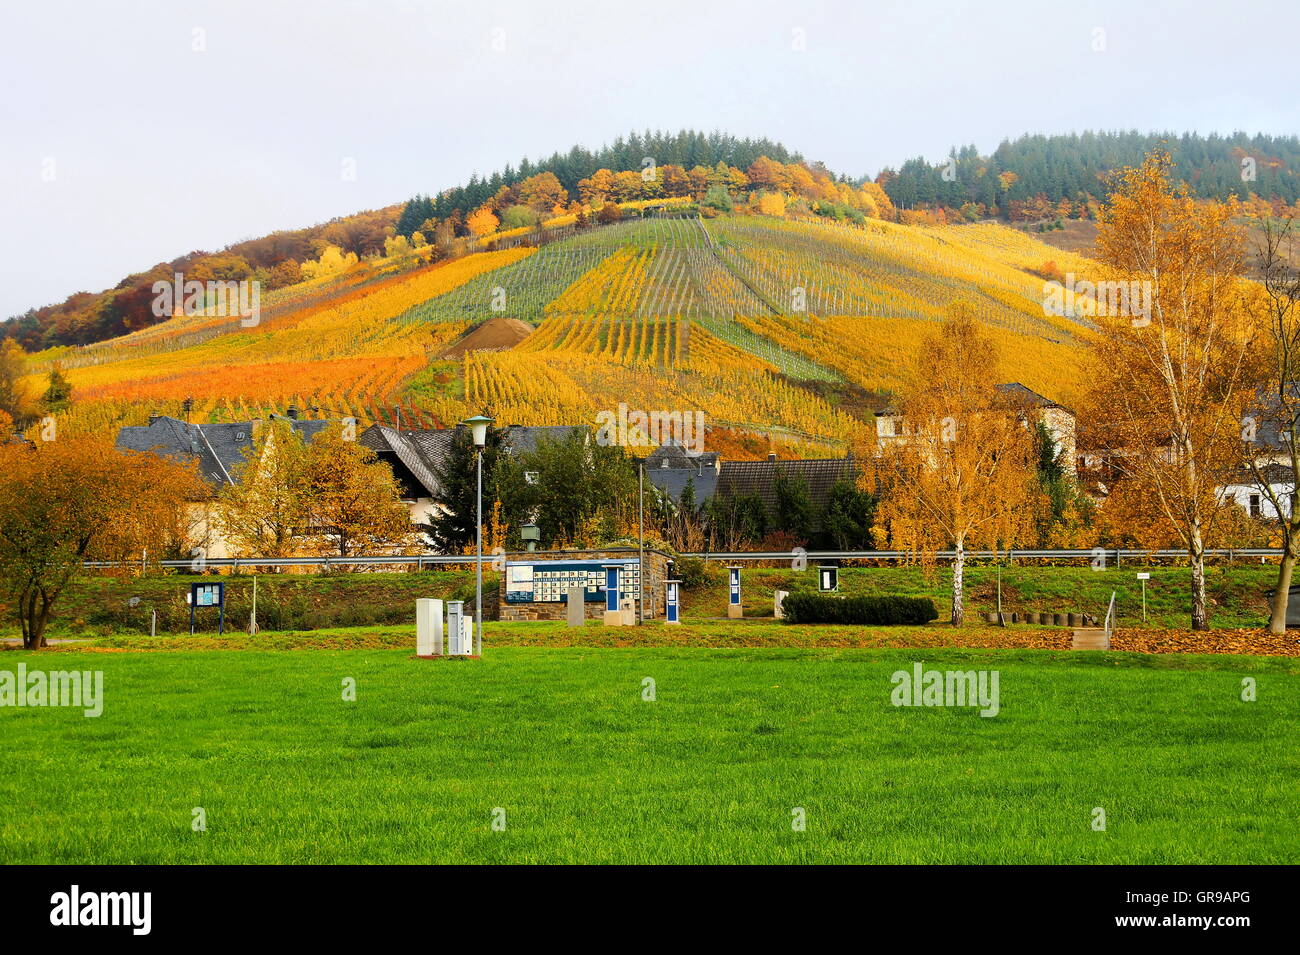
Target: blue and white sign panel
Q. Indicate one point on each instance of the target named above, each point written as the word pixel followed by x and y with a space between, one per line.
pixel 672 603
pixel 549 581
pixel 611 587
pixel 735 585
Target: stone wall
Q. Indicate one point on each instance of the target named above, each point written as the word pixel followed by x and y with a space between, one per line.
pixel 653 575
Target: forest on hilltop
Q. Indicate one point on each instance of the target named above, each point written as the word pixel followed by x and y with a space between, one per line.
pixel 686 148
pixel 1039 176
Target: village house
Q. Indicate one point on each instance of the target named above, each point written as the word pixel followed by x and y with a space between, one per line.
pixel 219 450
pixel 1265 438
pixel 1059 420
pixel 1265 443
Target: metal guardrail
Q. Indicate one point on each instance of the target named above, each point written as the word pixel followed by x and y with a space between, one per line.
pixel 420 561
pixel 1091 553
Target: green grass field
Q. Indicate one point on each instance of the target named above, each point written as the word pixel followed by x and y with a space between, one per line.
pixel 101 605
pixel 710 771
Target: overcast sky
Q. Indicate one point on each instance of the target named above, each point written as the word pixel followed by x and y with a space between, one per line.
pixel 134 132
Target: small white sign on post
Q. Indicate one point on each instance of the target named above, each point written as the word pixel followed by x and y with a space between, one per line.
pixel 428 627
pixel 1144 576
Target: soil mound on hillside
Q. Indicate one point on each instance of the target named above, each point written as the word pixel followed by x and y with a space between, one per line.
pixel 496 334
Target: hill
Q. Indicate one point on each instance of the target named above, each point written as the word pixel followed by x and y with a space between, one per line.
pixel 783 331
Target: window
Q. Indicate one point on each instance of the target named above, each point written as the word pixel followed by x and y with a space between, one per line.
pixel 531 476
pixel 1254 505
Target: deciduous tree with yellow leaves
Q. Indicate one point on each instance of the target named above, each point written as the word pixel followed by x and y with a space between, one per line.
pixel 71 500
pixel 353 501
pixel 962 472
pixel 1165 395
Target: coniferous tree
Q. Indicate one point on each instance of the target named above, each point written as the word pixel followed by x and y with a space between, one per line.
pixel 850 512
pixel 452 523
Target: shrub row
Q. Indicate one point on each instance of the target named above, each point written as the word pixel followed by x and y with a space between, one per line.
pixel 871 611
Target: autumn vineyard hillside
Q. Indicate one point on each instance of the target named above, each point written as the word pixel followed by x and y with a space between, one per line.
pixel 784 330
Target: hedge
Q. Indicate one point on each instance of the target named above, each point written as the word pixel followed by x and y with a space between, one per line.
pixel 872 611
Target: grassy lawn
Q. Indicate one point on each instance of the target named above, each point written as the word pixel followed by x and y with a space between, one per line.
pixel 96 605
pixel 1236 591
pixel 710 771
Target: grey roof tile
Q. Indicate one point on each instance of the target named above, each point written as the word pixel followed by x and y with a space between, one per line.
pixel 217 448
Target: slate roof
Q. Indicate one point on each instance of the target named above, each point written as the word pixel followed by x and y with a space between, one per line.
pixel 410 461
pixel 759 477
pixel 1027 396
pixel 668 456
pixel 1014 389
pixel 1274 474
pixel 217 448
pixel 1271 418
pixel 523 440
pixel 672 481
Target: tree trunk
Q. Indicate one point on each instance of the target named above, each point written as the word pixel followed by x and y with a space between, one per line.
pixel 958 569
pixel 34 619
pixel 1277 619
pixel 1200 615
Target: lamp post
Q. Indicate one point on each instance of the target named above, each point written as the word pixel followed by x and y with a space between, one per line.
pixel 478 426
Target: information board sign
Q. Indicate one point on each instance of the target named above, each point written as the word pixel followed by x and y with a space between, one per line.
pixel 548 581
pixel 208 594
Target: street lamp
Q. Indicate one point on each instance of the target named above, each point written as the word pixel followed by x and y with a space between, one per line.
pixel 478 426
pixel 530 534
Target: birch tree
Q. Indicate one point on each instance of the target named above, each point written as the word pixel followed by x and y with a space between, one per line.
pixel 962 473
pixel 1164 395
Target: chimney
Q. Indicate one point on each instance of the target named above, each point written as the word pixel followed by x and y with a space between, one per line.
pixel 771 455
pixel 291 412
pixel 154 418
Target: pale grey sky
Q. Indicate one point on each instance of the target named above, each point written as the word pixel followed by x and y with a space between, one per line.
pixel 157 148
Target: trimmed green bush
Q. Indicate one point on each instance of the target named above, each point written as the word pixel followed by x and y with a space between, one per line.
pixel 870 611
